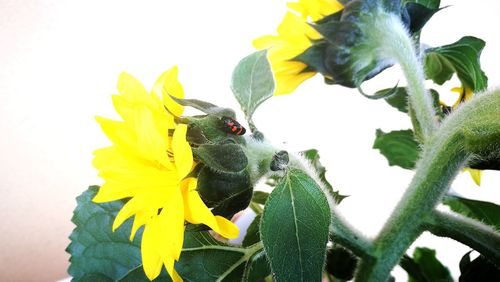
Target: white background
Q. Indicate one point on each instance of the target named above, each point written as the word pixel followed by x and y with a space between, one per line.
pixel 59 62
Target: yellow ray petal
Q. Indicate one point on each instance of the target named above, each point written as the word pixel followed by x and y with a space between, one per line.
pixel 172 225
pixel 475 174
pixel 151 260
pixel 183 154
pixel 195 211
pixel 130 88
pixel 168 85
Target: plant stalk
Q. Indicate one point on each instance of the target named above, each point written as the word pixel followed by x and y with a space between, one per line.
pixel 472 233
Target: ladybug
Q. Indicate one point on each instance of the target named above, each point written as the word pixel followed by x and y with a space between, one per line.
pixel 232 126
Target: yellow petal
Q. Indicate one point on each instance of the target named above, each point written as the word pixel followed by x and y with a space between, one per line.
pixel 151 260
pixel 168 85
pixel 130 88
pixel 475 174
pixel 172 225
pixel 176 277
pixel 197 212
pixel 141 218
pixel 183 155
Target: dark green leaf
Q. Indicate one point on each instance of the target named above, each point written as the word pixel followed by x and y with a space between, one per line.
pixel 252 82
pixel 138 275
pixel 93 277
pixel 485 212
pixel 462 58
pixel 340 263
pixel 399 147
pixel 228 158
pixel 294 228
pixel 312 155
pixel 412 268
pixel 260 197
pixel 205 259
pixel 253 234
pixel 95 249
pixel 430 266
pixel 226 193
pixel 479 269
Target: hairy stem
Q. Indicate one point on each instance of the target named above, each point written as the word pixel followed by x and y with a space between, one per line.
pixel 348 237
pixel 395 43
pixel 472 233
pixel 442 157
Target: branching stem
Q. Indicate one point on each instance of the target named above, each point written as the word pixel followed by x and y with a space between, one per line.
pixel 472 233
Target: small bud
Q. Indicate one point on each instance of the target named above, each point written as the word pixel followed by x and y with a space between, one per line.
pixel 280 161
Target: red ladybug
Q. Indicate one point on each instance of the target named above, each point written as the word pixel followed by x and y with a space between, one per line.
pixel 232 126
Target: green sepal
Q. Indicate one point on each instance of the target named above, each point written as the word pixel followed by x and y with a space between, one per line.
pixel 479 269
pixel 462 58
pixel 399 147
pixel 416 15
pixel 212 129
pixel 252 83
pixel 312 155
pixel 227 158
pixel 341 263
pixel 382 94
pixel 226 193
pixel 95 249
pixel 429 267
pixel 205 259
pixel 294 226
pixel 206 107
pixel 486 212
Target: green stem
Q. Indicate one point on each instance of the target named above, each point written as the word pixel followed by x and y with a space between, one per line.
pixel 472 233
pixel 442 157
pixel 395 43
pixel 345 235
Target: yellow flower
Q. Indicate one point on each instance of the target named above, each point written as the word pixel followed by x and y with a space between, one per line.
pixel 464 95
pixel 295 35
pixel 148 163
pixel 315 10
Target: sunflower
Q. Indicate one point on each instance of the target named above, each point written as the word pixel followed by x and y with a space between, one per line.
pixel 149 163
pixel 295 36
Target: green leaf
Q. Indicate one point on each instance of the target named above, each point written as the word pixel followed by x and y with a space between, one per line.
pixel 479 269
pixel 462 58
pixel 485 212
pixel 95 249
pixel 260 197
pixel 205 259
pixel 253 232
pixel 430 266
pixel 398 147
pixel 228 158
pixel 399 99
pixel 294 228
pixel 252 82
pixel 312 155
